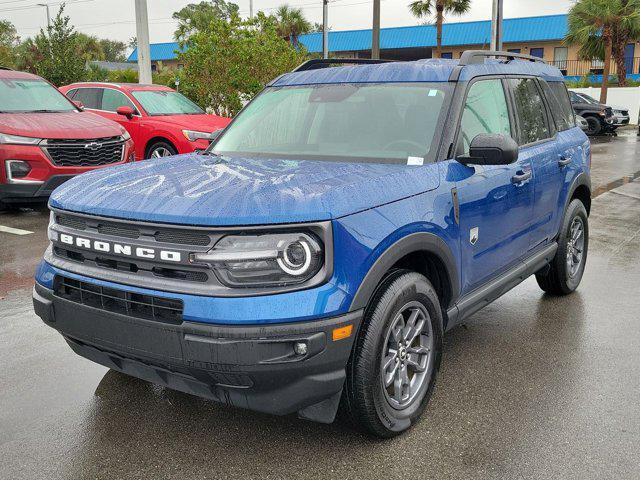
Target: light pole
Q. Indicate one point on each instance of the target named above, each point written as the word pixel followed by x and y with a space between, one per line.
pixel 496 25
pixel 144 51
pixel 375 32
pixel 46 5
pixel 325 29
pixel 251 9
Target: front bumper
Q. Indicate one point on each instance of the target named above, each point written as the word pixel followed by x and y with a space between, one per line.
pixel 31 192
pixel 252 367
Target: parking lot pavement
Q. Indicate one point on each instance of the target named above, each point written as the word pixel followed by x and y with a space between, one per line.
pixel 533 386
pixel 615 158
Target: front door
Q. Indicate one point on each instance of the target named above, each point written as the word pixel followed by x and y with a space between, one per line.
pixel 495 201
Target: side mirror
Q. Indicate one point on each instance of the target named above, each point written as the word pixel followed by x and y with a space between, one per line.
pixel 125 111
pixel 491 149
pixel 215 134
pixel 78 104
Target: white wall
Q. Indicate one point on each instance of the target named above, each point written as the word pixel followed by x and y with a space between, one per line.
pixel 627 97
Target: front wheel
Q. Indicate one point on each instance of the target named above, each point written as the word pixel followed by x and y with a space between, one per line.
pixel 567 267
pixel 594 126
pixel 161 149
pixel 393 367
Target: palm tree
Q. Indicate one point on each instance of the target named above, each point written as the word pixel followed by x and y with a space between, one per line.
pixel 606 26
pixel 291 23
pixel 423 8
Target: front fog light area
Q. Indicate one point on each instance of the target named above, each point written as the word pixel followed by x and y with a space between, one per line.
pixel 17 169
pixel 266 260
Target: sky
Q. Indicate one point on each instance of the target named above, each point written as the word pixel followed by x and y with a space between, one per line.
pixel 115 19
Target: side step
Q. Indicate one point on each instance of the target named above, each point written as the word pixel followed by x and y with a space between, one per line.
pixel 483 296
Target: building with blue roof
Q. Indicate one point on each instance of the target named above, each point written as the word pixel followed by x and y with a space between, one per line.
pixel 538 36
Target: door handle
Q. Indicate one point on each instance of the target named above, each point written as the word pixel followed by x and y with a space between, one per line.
pixel 564 161
pixel 521 177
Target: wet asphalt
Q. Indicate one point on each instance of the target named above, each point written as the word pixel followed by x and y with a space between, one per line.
pixel 533 386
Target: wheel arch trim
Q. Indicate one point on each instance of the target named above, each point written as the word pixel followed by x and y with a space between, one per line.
pixel 414 242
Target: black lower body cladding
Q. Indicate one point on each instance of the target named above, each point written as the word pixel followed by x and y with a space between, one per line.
pixel 254 367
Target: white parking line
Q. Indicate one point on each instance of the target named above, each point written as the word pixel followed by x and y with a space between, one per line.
pixel 14 231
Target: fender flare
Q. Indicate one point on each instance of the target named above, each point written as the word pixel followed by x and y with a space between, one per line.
pixel 414 242
pixel 582 179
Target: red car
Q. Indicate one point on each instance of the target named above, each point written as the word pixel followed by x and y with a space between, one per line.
pixel 161 121
pixel 45 139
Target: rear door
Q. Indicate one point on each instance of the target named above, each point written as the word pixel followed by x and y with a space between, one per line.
pixel 536 137
pixel 555 176
pixel 495 201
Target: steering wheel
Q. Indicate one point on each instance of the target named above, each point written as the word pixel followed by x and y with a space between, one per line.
pixel 410 143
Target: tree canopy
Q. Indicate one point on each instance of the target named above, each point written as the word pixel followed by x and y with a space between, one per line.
pixel 229 61
pixel 197 16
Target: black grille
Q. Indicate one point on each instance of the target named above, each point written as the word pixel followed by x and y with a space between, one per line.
pixel 71 222
pixel 85 153
pixel 183 238
pixel 136 305
pixel 118 231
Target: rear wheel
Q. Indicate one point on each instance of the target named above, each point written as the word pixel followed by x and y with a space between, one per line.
pixel 393 367
pixel 161 149
pixel 567 267
pixel 594 126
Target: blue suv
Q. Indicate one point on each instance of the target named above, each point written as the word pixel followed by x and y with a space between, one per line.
pixel 314 256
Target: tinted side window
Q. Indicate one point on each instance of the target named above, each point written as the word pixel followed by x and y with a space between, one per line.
pixel 530 111
pixel 558 100
pixel 485 111
pixel 70 94
pixel 112 99
pixel 90 97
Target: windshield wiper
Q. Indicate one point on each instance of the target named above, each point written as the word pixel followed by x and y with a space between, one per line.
pixel 44 110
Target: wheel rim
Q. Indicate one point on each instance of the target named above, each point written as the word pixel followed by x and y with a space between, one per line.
pixel 593 125
pixel 575 246
pixel 407 356
pixel 160 152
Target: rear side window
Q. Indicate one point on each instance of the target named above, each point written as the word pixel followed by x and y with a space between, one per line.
pixel 530 111
pixel 90 97
pixel 485 111
pixel 558 100
pixel 112 99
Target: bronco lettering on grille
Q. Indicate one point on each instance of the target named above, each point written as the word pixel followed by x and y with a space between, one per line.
pixel 120 249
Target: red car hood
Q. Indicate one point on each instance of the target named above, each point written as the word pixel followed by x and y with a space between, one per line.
pixel 199 123
pixel 63 125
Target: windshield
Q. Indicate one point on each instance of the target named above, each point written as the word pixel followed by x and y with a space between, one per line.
pixel 158 102
pixel 31 95
pixel 588 99
pixel 383 123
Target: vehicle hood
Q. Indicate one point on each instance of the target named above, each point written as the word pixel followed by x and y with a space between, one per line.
pixel 218 191
pixel 200 123
pixel 65 125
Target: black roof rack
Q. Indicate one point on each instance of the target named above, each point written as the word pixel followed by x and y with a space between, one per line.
pixel 318 63
pixel 474 57
pixel 5 68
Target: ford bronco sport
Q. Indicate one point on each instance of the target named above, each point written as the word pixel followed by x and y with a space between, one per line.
pixel 315 255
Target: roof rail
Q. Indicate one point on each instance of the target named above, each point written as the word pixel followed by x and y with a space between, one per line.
pixel 318 63
pixel 5 68
pixel 474 57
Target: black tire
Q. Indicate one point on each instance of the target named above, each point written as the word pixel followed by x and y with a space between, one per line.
pixel 595 127
pixel 160 146
pixel 365 401
pixel 558 278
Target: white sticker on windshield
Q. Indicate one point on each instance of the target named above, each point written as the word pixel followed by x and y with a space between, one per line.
pixel 415 160
pixel 433 93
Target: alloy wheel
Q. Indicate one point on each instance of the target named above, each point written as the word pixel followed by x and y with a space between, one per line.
pixel 575 246
pixel 160 152
pixel 407 357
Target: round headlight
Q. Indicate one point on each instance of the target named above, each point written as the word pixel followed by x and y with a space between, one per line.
pixel 296 258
